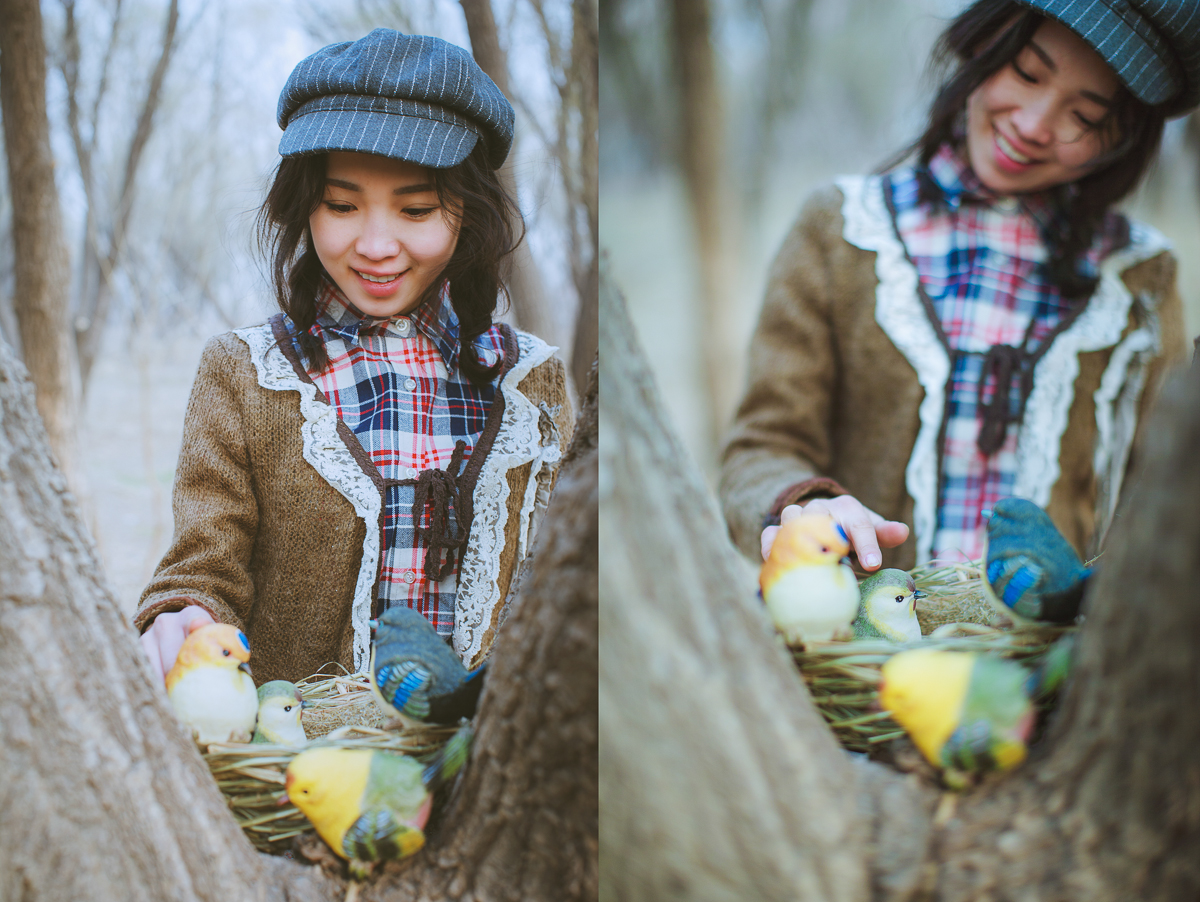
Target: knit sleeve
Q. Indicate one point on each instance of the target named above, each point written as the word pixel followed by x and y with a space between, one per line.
pixel 216 513
pixel 781 436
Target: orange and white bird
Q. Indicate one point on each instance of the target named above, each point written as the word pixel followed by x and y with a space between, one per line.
pixel 810 594
pixel 210 686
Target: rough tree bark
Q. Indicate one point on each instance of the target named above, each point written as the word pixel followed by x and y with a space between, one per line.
pixel 721 782
pixel 42 272
pixel 525 281
pixel 105 798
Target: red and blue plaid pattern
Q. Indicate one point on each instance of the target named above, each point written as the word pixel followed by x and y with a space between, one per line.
pixel 982 261
pixel 396 383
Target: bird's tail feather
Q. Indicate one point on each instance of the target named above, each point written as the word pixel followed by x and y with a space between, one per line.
pixel 450 759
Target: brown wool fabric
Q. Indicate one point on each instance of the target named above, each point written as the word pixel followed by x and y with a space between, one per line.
pixel 830 396
pixel 262 541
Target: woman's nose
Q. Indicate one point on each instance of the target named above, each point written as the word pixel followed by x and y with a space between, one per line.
pixel 1035 121
pixel 377 240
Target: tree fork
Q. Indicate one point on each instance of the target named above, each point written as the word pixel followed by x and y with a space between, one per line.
pixel 721 781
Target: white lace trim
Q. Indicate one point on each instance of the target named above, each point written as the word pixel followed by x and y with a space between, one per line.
pixel 1116 412
pixel 329 456
pixel 899 313
pixel 522 439
pixel 1099 326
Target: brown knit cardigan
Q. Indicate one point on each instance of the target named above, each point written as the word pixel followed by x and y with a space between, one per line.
pixel 267 539
pixel 846 378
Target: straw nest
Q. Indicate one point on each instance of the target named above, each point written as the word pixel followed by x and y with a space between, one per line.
pixel 339 711
pixel 843 677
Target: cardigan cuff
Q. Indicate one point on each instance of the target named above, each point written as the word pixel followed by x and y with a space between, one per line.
pixel 797 493
pixel 170 603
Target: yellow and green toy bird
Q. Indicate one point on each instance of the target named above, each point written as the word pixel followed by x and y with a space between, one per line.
pixel 810 594
pixel 371 805
pixel 279 707
pixel 210 686
pixel 967 712
pixel 887 607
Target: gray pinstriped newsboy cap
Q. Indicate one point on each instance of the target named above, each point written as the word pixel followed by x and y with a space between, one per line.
pixel 1152 45
pixel 409 97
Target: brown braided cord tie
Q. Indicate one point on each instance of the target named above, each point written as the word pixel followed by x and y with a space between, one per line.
pixel 1005 363
pixel 440 490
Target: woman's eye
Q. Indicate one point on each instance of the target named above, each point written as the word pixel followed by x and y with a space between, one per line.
pixel 418 212
pixel 1085 121
pixel 1023 75
pixel 337 207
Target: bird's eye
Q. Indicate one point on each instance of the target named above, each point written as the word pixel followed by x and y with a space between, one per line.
pixel 225 652
pixel 824 549
pixel 899 598
pixel 287 707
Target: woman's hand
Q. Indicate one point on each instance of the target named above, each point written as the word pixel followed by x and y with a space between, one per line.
pixel 867 531
pixel 163 639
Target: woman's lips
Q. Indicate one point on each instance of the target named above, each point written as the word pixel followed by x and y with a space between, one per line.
pixel 369 283
pixel 1009 158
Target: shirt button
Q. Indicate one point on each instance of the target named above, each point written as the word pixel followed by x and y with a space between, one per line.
pixel 412 472
pixel 410 384
pixel 402 326
pixel 410 577
pixel 1006 204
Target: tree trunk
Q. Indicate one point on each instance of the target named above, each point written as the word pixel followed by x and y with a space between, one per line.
pixel 713 208
pixel 529 303
pixel 106 798
pixel 722 782
pixel 41 270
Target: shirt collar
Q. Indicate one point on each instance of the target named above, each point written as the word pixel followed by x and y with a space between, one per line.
pixel 435 318
pixel 959 184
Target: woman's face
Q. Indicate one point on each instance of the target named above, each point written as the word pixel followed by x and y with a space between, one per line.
pixel 380 232
pixel 1029 126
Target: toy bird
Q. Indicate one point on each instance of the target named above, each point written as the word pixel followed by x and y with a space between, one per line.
pixel 1053 669
pixel 810 594
pixel 415 676
pixel 1032 572
pixel 210 686
pixel 967 712
pixel 279 705
pixel 371 805
pixel 887 607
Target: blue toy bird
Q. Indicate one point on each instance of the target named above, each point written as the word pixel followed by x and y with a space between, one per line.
pixel 414 674
pixel 1032 572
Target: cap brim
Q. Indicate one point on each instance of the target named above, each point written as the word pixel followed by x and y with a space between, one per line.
pixel 438 145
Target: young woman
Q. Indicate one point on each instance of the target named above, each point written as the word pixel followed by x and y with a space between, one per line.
pixel 979 322
pixel 382 441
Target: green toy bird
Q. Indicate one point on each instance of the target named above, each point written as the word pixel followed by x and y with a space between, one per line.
pixel 887 607
pixel 967 712
pixel 371 805
pixel 279 705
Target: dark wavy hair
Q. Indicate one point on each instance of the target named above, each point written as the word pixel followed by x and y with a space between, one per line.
pixel 490 229
pixel 983 39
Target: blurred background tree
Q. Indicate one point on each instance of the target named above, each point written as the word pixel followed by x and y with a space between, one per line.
pixel 162 137
pixel 718 117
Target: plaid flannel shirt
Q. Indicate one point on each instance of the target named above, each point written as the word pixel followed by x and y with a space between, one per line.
pixel 397 385
pixel 981 259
